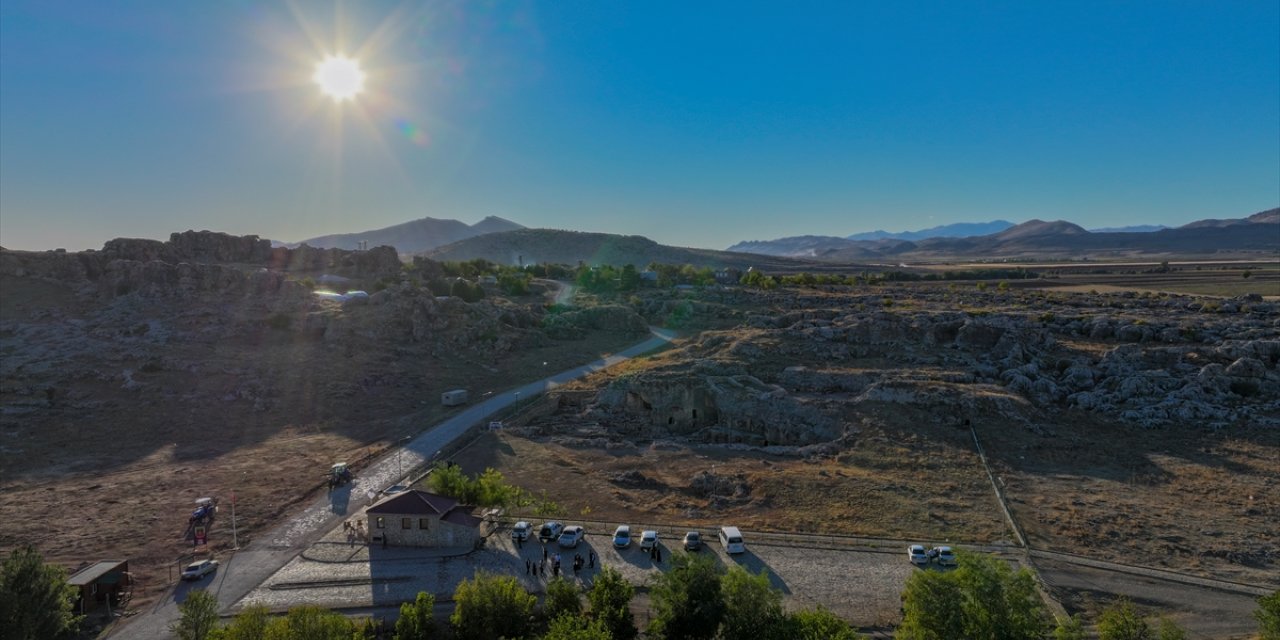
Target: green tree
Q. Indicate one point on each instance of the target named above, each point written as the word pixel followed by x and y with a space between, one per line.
pixel 983 598
pixel 1121 621
pixel 1268 615
pixel 610 597
pixel 489 606
pixel 309 622
pixel 816 624
pixel 417 619
pixel 449 480
pixel 752 607
pixel 249 624
pixel 562 599
pixel 35 599
pixel 199 616
pixel 492 490
pixel 570 627
pixel 687 599
pixel 1069 629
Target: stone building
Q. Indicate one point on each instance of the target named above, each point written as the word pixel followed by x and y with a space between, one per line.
pixel 421 519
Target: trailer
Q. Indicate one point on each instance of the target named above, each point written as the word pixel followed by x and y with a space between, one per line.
pixel 453 398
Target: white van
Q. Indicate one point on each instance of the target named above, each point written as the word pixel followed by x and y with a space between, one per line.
pixel 731 540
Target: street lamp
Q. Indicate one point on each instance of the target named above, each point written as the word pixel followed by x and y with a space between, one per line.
pixel 400 457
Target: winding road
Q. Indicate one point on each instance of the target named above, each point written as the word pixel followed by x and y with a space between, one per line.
pixel 249 567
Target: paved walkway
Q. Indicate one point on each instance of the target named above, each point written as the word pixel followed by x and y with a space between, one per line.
pixel 251 566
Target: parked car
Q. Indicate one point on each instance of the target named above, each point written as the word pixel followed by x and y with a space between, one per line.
pixel 692 541
pixel 622 536
pixel 199 569
pixel 731 540
pixel 550 531
pixel 945 556
pixel 648 540
pixel 917 555
pixel 571 536
pixel 520 531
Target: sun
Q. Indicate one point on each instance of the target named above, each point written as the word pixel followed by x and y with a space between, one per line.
pixel 339 77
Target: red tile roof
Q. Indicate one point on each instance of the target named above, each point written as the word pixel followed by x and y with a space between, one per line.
pixel 423 503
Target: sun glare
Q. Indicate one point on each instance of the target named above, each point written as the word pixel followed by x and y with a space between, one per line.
pixel 339 77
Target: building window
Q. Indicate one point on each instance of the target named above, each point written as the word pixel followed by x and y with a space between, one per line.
pixel 406 523
pixel 422 523
pixel 382 522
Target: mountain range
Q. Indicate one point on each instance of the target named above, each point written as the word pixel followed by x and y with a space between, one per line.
pixel 1037 238
pixel 411 237
pixel 957 230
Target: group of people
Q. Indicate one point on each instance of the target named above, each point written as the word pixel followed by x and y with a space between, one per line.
pixel 539 568
pixel 355 531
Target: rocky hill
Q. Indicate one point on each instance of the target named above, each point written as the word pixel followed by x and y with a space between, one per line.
pixel 531 246
pixel 415 236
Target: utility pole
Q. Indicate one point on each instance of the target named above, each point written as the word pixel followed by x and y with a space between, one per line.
pixel 235 540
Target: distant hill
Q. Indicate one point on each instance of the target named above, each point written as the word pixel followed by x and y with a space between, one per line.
pixel 1270 216
pixel 956 230
pixel 1040 239
pixel 532 246
pixel 867 245
pixel 413 237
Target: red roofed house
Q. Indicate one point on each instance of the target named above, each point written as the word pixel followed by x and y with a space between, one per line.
pixel 421 519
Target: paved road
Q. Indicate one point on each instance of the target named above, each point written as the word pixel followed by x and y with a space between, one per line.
pixel 244 571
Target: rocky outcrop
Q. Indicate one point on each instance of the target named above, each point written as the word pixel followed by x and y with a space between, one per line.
pixel 718 408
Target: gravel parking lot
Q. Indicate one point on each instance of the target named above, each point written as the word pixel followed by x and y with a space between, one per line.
pixel 861 586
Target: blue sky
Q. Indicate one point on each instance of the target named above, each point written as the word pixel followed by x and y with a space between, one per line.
pixel 696 124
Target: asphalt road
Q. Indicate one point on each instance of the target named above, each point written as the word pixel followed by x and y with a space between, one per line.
pixel 249 567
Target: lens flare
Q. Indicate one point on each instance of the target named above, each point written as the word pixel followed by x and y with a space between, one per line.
pixel 413 133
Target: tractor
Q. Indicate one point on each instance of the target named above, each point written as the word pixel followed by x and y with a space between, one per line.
pixel 338 475
pixel 205 510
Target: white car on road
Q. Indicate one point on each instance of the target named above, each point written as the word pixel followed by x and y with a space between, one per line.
pixel 199 569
